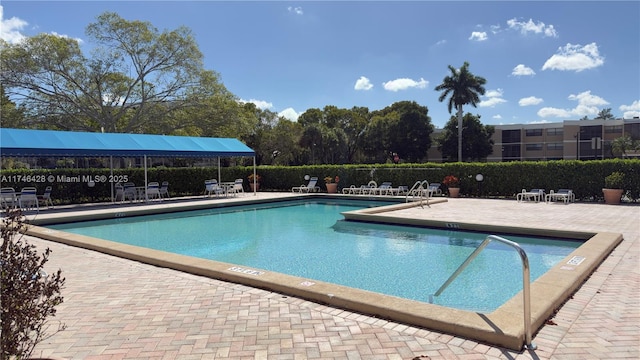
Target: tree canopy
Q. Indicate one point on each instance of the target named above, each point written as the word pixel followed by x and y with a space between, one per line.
pixel 477 145
pixel 462 87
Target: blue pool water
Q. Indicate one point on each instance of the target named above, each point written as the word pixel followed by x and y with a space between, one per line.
pixel 310 239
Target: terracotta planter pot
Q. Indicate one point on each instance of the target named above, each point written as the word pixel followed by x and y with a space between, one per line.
pixel 612 196
pixel 454 192
pixel 332 188
pixel 257 185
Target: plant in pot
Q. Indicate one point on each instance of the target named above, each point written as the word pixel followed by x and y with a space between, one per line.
pixel 453 185
pixel 254 179
pixel 332 187
pixel 613 187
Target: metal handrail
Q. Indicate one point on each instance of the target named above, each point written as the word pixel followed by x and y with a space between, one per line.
pixel 526 296
pixel 418 187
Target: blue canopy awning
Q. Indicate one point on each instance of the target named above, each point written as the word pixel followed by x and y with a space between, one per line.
pixel 22 142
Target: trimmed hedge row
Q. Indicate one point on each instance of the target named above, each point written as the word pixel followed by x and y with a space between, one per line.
pixel 586 178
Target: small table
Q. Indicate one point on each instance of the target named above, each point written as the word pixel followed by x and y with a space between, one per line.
pixel 227 185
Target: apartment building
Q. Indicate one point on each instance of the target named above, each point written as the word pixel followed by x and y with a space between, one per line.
pixel 568 140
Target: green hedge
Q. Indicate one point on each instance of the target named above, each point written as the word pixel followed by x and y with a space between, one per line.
pixel 501 180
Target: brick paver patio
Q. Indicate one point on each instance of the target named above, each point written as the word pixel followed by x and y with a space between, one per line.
pixel 121 309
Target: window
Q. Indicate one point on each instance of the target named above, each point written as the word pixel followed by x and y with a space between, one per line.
pixel 616 129
pixel 534 147
pixel 510 136
pixel 555 132
pixel 533 132
pixel 555 146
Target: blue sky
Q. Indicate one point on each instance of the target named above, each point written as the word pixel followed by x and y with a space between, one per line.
pixel 543 61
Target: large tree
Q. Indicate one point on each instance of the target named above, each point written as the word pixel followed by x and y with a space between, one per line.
pixel 478 144
pixel 136 78
pixel 462 87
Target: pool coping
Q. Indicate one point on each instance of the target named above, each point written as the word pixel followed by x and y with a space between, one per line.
pixel 503 327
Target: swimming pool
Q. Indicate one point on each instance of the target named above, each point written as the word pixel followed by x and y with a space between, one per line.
pixel 311 240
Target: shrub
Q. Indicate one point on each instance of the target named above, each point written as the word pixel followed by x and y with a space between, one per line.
pixel 28 296
pixel 614 181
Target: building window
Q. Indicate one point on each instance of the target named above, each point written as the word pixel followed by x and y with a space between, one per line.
pixel 555 132
pixel 533 132
pixel 534 147
pixel 616 129
pixel 555 146
pixel 510 136
pixel 511 152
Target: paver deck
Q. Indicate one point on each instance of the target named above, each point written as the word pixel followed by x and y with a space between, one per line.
pixel 121 309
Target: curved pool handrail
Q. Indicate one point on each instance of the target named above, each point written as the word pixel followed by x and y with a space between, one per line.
pixel 526 296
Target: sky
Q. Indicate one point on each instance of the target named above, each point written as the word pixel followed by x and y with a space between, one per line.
pixel 543 61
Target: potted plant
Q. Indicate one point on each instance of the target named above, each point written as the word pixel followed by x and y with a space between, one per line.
pixel 613 187
pixel 332 184
pixel 254 181
pixel 453 185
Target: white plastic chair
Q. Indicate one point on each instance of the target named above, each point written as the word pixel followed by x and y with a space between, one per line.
pixel 153 191
pixel 29 199
pixel 164 189
pixel 238 187
pixel 46 197
pixel 212 187
pixel 8 198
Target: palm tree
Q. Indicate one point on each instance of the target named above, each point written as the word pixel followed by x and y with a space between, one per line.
pixel 465 88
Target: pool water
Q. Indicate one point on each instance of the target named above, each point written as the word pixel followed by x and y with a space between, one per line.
pixel 311 239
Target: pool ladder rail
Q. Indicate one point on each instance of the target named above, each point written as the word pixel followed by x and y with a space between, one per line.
pixel 419 192
pixel 526 296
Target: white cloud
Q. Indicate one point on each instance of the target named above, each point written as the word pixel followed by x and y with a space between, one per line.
pixel 441 42
pixel 531 27
pixel 528 101
pixel 575 58
pixel 261 104
pixel 478 36
pixel 494 98
pixel 404 83
pixel 290 114
pixel 10 28
pixel 630 111
pixel 588 105
pixel 521 70
pixel 497 117
pixel 295 10
pixel 363 84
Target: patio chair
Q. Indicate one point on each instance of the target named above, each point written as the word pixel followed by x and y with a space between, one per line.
pixel 8 198
pixel 384 189
pixel 211 186
pixel 28 199
pixel 237 188
pixel 46 197
pixel 153 191
pixel 130 192
pixel 310 187
pixel 119 196
pixel 370 188
pixel 164 190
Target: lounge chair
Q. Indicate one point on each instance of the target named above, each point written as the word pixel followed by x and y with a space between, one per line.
pixel 212 187
pixel 384 189
pixel 46 197
pixel 164 190
pixel 434 189
pixel 565 195
pixel 8 198
pixel 536 195
pixel 29 199
pixel 370 189
pixel 310 187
